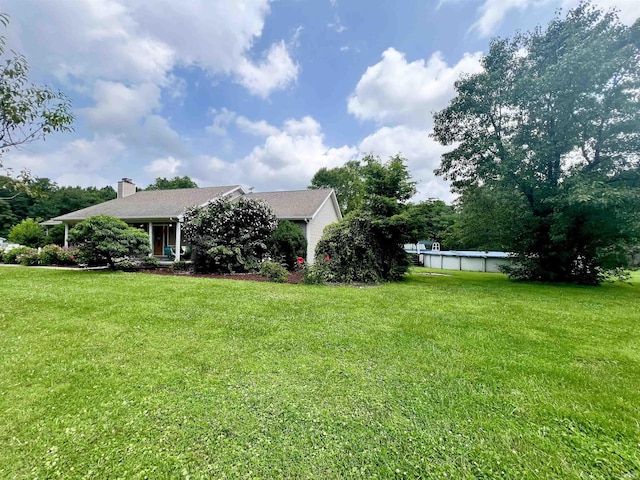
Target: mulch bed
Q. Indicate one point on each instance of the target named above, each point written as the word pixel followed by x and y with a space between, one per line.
pixel 293 277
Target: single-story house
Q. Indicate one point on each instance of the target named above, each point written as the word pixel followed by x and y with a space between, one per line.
pixel 160 212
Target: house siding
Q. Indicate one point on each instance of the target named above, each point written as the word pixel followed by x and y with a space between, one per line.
pixel 325 216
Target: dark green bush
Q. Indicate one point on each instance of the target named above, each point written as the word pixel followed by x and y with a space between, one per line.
pixel 103 239
pixel 348 248
pixel 180 266
pixel 150 262
pixel 287 243
pixel 274 271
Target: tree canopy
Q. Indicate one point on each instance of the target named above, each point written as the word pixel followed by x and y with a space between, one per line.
pixel 347 181
pixel 28 112
pixel 367 246
pixel 549 134
pixel 44 199
pixel 162 183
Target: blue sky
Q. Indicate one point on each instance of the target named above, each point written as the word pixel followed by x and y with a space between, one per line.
pixel 254 92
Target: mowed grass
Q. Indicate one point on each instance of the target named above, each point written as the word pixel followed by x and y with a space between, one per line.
pixel 116 375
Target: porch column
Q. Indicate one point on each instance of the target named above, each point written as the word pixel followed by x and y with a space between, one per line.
pixel 66 234
pixel 150 230
pixel 178 233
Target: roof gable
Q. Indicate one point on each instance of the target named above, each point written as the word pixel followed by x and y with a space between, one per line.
pixel 297 204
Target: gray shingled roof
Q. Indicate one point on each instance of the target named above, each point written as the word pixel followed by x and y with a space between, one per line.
pixel 297 204
pixel 149 205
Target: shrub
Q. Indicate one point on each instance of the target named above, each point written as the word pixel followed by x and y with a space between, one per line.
pixel 229 235
pixel 55 235
pixel 150 262
pixel 11 255
pixel 30 258
pixel 287 243
pixel 104 239
pixel 274 271
pixel 27 233
pixel 68 256
pixel 350 247
pixel 316 274
pixel 180 266
pixel 50 255
pixel 127 264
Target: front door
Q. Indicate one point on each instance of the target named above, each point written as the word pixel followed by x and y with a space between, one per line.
pixel 158 240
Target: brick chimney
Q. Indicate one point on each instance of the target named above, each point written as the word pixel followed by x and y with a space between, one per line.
pixel 126 187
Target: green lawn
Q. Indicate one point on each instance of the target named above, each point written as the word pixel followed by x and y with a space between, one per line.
pixel 116 375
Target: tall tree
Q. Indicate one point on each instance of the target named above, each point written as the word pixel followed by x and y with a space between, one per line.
pixel 347 182
pixel 367 246
pixel 550 131
pixel 162 183
pixel 28 112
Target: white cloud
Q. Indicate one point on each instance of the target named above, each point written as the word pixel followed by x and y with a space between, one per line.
pixel 420 150
pixel 82 158
pixel 221 119
pixel 141 41
pixel 274 72
pixel 629 9
pixel 394 91
pixel 492 13
pixel 287 159
pixel 259 128
pixel 163 167
pixel 337 25
pixel 118 106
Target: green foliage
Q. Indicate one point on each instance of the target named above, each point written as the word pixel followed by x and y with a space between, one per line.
pixel 548 139
pixel 29 258
pixel 49 255
pixel 432 220
pixel 274 271
pixel 11 256
pixel 28 233
pixel 104 239
pixel 180 266
pixel 171 184
pixel 352 250
pixel 229 235
pixel 27 112
pixel 42 198
pixel 150 262
pixel 55 235
pixel 367 246
pixel 347 182
pixel 316 274
pixel 287 243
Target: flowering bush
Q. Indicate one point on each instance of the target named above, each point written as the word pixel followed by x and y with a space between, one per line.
pixel 11 255
pixel 55 255
pixel 229 235
pixel 31 258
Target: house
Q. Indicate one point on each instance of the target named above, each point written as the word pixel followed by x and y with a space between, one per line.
pixel 160 212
